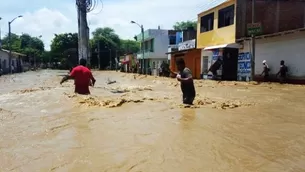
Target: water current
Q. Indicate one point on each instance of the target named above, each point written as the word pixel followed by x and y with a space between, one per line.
pixel 138 124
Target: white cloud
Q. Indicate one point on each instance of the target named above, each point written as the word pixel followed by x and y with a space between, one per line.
pixel 115 13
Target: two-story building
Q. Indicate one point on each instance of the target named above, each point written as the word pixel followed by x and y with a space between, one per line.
pixel 225 29
pixel 216 38
pixel 186 49
pixel 155 48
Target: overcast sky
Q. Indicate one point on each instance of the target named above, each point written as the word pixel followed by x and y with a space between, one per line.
pixel 46 17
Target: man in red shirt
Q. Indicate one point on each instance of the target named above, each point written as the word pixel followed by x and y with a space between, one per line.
pixel 82 76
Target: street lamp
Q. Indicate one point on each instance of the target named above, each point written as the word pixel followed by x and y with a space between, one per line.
pixel 10 43
pixel 142 45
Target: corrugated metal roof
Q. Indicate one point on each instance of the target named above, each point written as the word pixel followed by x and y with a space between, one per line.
pixel 212 4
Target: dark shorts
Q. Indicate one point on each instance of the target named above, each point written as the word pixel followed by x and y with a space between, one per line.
pixel 187 99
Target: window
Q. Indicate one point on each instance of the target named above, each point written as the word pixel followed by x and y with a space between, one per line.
pixel 172 39
pixel 207 22
pixel 226 16
pixel 151 45
pixel 146 46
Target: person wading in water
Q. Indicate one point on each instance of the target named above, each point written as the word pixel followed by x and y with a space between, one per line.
pixel 82 76
pixel 184 76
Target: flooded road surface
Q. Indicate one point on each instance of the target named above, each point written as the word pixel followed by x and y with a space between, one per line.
pixel 138 124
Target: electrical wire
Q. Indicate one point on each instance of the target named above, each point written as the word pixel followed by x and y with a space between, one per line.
pixel 89 5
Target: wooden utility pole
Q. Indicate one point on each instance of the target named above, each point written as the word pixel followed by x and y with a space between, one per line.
pixel 83 37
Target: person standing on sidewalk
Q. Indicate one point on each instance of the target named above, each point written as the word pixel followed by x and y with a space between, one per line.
pixel 82 76
pixel 184 76
pixel 282 72
pixel 265 71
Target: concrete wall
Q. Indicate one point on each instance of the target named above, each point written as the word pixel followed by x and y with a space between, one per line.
pixel 4 60
pixel 160 44
pixel 161 41
pixel 290 48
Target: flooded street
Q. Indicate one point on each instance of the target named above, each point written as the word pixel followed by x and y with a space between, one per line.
pixel 138 124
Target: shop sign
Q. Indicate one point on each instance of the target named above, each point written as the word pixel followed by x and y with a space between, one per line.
pixel 254 28
pixel 186 45
pixel 244 67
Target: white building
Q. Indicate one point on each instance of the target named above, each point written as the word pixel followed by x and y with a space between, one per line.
pixel 288 46
pixel 17 61
pixel 156 43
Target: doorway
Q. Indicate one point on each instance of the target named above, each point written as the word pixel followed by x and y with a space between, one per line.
pixel 229 67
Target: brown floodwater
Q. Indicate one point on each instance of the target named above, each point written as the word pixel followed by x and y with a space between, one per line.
pixel 138 124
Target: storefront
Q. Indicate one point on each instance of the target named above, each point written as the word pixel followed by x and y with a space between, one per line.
pixel 227 54
pixel 187 50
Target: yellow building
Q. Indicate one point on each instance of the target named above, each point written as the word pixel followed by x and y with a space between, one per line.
pixel 216 36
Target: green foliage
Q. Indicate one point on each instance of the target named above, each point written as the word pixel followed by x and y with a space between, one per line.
pixel 185 24
pixel 25 44
pixel 129 46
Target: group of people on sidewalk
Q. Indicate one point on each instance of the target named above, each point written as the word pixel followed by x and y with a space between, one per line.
pixel 281 74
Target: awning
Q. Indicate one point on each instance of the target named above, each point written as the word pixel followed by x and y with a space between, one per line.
pixel 232 45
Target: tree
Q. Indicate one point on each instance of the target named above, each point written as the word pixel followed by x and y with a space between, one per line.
pixel 184 25
pixel 25 44
pixel 129 46
pixel 109 43
pixel 64 48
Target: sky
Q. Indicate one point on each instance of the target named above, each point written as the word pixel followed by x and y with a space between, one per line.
pixel 47 17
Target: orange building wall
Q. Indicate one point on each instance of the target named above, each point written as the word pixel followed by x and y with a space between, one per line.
pixel 192 60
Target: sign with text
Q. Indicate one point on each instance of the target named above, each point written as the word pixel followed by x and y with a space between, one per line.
pixel 244 67
pixel 187 45
pixel 254 28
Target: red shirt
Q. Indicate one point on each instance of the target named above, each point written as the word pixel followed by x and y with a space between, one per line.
pixel 82 79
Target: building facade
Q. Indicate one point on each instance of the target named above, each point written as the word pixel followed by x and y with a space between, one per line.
pixel 224 33
pixel 187 50
pixel 17 61
pixel 217 39
pixel 155 45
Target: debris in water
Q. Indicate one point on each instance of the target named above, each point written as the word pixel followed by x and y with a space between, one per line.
pixel 110 82
pixel 29 90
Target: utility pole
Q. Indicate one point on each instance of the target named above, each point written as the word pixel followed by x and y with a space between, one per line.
pixel 110 63
pixel 10 48
pixel 253 43
pixel 116 60
pixel 10 43
pixel 143 51
pixel 83 39
pixel 98 55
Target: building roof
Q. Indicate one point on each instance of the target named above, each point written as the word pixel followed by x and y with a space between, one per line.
pixel 14 53
pixel 212 4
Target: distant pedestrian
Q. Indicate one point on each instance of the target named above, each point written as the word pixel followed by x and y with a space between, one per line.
pixel 265 71
pixel 13 69
pixel 184 76
pixel 82 76
pixel 282 72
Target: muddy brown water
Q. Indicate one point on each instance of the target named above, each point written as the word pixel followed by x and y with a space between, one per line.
pixel 138 124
